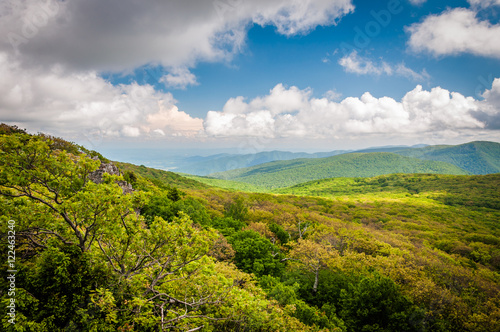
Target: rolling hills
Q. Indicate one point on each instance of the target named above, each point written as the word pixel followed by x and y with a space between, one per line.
pixel 224 162
pixel 474 157
pixel 479 157
pixel 281 174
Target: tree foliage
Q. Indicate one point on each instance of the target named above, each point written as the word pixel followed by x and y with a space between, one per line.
pixel 256 254
pixel 390 253
pixel 89 261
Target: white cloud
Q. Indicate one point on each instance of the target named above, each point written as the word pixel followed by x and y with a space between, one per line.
pixel 332 95
pixel 439 109
pixel 484 3
pixel 53 52
pixel 419 112
pixel 455 31
pixel 179 78
pixel 122 35
pixel 353 63
pixel 292 17
pixel 282 100
pixel 64 103
pixel 170 117
pixel 129 131
pixel 76 103
pixel 489 108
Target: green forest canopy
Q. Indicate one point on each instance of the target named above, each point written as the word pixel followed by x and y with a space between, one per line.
pixel 279 174
pixel 393 253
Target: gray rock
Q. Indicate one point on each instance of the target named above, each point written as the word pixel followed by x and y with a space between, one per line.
pixel 110 168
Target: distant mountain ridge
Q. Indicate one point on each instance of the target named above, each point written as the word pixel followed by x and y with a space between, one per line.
pixel 279 174
pixel 204 165
pixel 198 165
pixel 480 157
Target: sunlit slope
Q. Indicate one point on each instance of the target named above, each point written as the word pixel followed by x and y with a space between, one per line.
pixel 281 174
pixel 160 177
pixel 225 184
pixel 467 190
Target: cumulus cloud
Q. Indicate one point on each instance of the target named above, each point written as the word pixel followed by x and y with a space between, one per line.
pixel 122 35
pixel 456 31
pixel 54 51
pixel 489 107
pixel 419 112
pixel 170 117
pixel 179 78
pixel 332 95
pixel 66 103
pixel 354 63
pixel 292 17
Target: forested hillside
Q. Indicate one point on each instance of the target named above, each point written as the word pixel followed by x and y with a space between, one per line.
pixel 281 174
pixel 417 252
pixel 479 191
pixel 224 162
pixel 159 177
pixel 89 257
pixel 474 157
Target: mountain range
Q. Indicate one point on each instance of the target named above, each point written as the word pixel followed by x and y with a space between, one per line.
pixel 476 157
pixel 204 165
pixel 278 174
pixel 473 157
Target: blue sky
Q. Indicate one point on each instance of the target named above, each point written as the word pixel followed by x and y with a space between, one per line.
pixel 310 75
pixel 311 60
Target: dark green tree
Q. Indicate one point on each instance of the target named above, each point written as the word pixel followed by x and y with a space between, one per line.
pixel 227 225
pixel 175 194
pixel 280 233
pixel 256 254
pixel 375 303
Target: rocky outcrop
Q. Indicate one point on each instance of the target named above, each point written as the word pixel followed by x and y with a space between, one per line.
pixel 126 187
pixel 96 176
pixel 109 168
